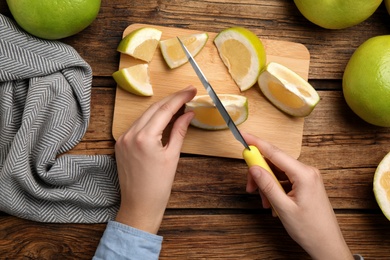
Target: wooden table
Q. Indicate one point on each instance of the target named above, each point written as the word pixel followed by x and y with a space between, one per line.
pixel 210 215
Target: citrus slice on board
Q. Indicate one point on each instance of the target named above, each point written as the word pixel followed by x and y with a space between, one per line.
pixel 173 53
pixel 140 43
pixel 287 90
pixel 381 185
pixel 134 79
pixel 207 115
pixel 243 54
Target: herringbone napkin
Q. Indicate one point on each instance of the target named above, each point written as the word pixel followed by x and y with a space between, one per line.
pixel 45 89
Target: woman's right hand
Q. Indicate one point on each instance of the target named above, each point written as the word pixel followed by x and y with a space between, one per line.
pixel 305 211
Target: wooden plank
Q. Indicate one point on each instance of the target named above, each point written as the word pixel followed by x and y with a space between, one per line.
pixel 204 183
pixel 23 239
pixel 273 19
pixel 192 236
pixel 102 109
pixel 264 119
pixel 262 237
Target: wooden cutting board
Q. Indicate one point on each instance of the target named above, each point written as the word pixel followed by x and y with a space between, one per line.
pixel 264 119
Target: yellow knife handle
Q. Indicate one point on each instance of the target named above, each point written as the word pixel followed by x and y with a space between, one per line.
pixel 254 157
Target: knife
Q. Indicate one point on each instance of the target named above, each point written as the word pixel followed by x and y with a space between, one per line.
pixel 251 154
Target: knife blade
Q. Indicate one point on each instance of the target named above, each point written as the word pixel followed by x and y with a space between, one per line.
pixel 222 110
pixel 251 154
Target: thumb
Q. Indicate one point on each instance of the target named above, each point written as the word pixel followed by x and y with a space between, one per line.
pixel 268 186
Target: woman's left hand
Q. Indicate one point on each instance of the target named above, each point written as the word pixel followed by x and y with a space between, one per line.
pixel 147 167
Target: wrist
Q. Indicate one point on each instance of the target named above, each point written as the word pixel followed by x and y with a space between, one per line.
pixel 144 222
pixel 335 251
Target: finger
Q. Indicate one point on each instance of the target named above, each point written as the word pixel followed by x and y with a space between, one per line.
pixel 264 201
pixel 163 115
pixel 268 187
pixel 251 185
pixel 179 131
pixel 283 161
pixel 148 114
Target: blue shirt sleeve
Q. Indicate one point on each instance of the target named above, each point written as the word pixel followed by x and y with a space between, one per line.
pixel 120 241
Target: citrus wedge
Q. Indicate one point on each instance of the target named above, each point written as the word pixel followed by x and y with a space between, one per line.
pixel 134 79
pixel 173 53
pixel 243 54
pixel 207 115
pixel 381 185
pixel 287 90
pixel 140 43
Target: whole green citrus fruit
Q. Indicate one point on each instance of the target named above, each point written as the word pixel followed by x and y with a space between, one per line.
pixel 366 81
pixel 337 14
pixel 52 20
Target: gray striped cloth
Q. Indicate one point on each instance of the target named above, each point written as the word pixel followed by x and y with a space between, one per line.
pixel 45 92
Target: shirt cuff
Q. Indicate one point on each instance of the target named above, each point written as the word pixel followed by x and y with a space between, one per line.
pixel 120 241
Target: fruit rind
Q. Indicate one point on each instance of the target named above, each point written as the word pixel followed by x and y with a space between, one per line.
pixel 239 102
pixel 165 44
pixel 126 81
pixel 253 44
pixel 135 38
pixel 275 73
pixel 379 192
